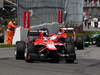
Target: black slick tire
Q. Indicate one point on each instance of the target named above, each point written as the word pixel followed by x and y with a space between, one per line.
pixel 20 50
pixel 79 43
pixel 70 53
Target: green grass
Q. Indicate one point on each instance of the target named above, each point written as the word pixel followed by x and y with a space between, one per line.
pixel 88 32
pixel 6 46
pixel 91 32
pixel 79 34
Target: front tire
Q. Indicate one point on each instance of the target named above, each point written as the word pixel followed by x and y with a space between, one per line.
pixel 70 52
pixel 20 50
pixel 30 54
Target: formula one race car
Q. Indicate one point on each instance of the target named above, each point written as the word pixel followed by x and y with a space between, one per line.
pixel 95 39
pixel 78 41
pixel 41 46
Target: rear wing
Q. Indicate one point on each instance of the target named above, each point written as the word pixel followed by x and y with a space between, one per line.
pixel 36 34
pixel 68 30
pixel 33 33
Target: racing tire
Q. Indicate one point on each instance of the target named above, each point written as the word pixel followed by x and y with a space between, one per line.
pixel 30 55
pixel 20 50
pixel 79 43
pixel 70 55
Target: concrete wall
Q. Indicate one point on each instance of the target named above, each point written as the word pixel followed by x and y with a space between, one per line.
pixel 44 11
pixel 74 11
pixel 1 3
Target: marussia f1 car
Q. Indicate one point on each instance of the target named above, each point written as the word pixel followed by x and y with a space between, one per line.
pixel 41 46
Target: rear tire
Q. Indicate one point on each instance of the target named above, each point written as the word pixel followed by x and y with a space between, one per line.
pixel 70 52
pixel 79 43
pixel 20 50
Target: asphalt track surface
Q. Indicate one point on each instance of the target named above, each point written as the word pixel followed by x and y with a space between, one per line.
pixel 88 64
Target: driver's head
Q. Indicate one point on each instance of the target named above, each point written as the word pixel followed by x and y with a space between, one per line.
pixel 45 34
pixel 61 31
